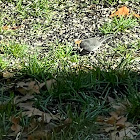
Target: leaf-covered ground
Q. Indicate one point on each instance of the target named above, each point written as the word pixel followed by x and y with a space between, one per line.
pixel 50 89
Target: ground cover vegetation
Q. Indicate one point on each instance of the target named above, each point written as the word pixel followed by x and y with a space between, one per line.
pixel 49 90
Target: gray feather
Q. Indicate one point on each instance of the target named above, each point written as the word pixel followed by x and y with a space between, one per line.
pixel 92 44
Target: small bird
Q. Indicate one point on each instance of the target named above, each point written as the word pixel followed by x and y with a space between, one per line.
pixel 92 44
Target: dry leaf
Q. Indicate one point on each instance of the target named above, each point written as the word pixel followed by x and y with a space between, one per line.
pixel 26 105
pixel 33 126
pixel 115 115
pixel 23 91
pixel 40 135
pixel 8 74
pixel 15 126
pixel 120 109
pixel 111 100
pixel 18 99
pixel 50 84
pixel 124 133
pixel 108 129
pixel 123 11
pixel 30 137
pixel 117 120
pixel 11 28
pixel 5 27
pixel 121 122
pixel 36 112
pixel 112 120
pixel 136 15
pixel 31 111
pixel 29 87
pixel 100 119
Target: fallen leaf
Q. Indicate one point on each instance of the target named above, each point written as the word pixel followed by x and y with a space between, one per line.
pixel 121 122
pixel 29 87
pixel 123 134
pixel 40 135
pixel 108 129
pixel 123 11
pixel 50 84
pixel 100 119
pixel 111 100
pixel 115 115
pixel 23 91
pixel 19 99
pixel 112 120
pixel 33 126
pixel 26 105
pixel 31 111
pixel 120 109
pixel 128 124
pixel 8 74
pixel 5 27
pixel 15 126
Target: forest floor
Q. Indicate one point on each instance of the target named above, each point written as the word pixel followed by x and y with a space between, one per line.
pixel 49 90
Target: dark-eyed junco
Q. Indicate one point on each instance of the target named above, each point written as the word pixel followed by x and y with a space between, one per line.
pixel 92 44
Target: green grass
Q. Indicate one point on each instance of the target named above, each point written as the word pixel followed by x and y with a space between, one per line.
pixel 119 24
pixel 3 64
pixel 14 49
pixel 6 110
pixel 110 2
pixel 79 85
pixel 133 109
pixel 35 67
pixel 82 85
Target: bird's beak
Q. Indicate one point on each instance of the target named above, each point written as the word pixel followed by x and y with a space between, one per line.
pixel 77 42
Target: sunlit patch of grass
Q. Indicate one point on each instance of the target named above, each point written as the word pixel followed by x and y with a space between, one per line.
pixel 58 58
pixel 62 56
pixel 3 63
pixel 65 54
pixel 118 24
pixel 14 49
pixel 36 67
pixel 25 10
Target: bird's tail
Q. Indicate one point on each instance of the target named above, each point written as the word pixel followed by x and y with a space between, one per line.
pixel 107 37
